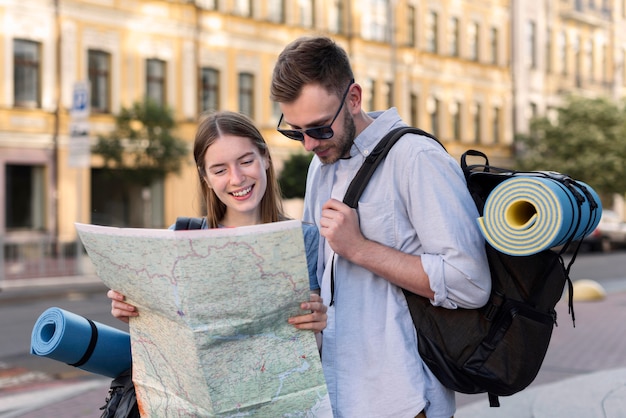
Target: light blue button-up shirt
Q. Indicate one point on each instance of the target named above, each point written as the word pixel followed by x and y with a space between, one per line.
pixel 416 202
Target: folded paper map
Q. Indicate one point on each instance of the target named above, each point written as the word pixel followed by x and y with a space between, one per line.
pixel 212 337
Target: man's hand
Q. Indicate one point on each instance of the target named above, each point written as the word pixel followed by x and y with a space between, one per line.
pixel 340 227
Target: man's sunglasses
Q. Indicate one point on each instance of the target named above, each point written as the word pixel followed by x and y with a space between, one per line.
pixel 319 132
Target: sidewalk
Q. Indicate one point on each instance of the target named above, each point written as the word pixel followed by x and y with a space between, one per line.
pixel 77 399
pixel 595 395
pixel 583 375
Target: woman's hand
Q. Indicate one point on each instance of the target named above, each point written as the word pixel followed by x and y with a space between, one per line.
pixel 120 309
pixel 316 319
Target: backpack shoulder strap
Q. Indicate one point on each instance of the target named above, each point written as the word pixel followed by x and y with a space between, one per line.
pixel 185 223
pixel 494 402
pixel 362 177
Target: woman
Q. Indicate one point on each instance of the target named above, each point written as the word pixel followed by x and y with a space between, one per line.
pixel 239 188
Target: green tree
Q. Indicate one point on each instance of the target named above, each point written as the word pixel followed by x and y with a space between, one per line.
pixel 587 141
pixel 293 177
pixel 142 148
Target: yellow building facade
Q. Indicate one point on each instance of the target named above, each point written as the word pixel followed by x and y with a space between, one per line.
pixel 471 72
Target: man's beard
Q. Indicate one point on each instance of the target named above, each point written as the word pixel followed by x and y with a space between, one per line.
pixel 344 143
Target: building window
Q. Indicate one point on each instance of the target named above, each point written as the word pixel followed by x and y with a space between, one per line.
pixel 431 32
pixel 336 16
pixel 26 73
pixel 339 6
pixel 243 8
pixel 209 89
pixel 276 112
pixel 433 106
pixel 496 126
pixel 126 204
pixel 390 96
pixel 414 109
pixel 578 57
pixel 24 184
pixel 531 43
pixel 474 41
pixel 477 123
pixel 155 81
pixel 99 67
pixel 456 120
pixel 207 4
pixel 549 51
pixel 493 44
pixel 307 18
pixel 372 99
pixel 533 110
pixel 453 36
pixel 623 66
pixel 578 5
pixel 410 23
pixel 562 51
pixel 589 58
pixel 276 11
pixel 605 63
pixel 375 21
pixel 246 94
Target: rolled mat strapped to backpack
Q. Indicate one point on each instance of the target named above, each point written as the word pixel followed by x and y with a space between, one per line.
pixel 529 213
pixel 73 339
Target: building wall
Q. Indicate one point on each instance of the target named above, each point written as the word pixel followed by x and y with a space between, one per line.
pixel 389 44
pixel 578 48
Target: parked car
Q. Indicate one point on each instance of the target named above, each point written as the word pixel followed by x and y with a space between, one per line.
pixel 594 242
pixel 612 230
pixel 610 234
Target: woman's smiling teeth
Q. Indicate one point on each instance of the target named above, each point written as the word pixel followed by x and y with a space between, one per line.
pixel 242 192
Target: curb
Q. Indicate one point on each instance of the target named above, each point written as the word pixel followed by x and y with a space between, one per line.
pixel 20 404
pixel 19 290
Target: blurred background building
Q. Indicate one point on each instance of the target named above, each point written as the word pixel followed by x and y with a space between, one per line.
pixel 472 72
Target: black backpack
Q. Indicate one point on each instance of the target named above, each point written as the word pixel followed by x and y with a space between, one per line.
pixel 121 401
pixel 499 348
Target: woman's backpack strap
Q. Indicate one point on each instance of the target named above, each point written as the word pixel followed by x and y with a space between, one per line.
pixel 184 223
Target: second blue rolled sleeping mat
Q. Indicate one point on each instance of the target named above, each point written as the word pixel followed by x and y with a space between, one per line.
pixel 80 342
pixel 527 214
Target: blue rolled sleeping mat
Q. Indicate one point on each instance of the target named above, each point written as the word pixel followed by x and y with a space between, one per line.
pixel 80 342
pixel 527 214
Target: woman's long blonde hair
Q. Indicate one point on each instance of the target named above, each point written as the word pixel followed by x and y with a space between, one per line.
pixel 215 125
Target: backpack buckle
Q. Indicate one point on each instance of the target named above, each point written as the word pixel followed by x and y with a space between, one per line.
pixel 493 306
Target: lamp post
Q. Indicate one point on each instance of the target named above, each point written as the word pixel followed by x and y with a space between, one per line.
pixel 391 34
pixel 54 167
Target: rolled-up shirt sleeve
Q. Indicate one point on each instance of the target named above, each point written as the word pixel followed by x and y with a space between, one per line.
pixel 453 287
pixel 451 245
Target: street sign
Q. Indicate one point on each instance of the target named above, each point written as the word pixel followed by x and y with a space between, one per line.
pixel 79 149
pixel 80 145
pixel 80 101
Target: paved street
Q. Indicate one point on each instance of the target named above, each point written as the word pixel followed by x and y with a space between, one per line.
pixel 583 375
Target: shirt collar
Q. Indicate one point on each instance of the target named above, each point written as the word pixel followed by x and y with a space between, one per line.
pixel 384 121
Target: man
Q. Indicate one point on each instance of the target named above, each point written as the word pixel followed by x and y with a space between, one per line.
pixel 415 228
